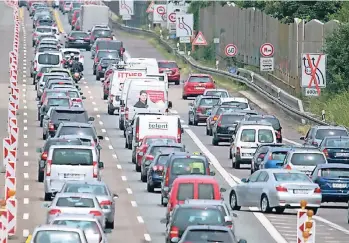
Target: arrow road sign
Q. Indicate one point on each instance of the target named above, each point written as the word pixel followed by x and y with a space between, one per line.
pixel 267 50
pixel 313 70
pixel 230 50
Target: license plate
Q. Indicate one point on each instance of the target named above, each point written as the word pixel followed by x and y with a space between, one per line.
pixel 300 191
pixel 339 185
pixel 342 154
pixel 66 175
pixel 231 128
pixel 200 88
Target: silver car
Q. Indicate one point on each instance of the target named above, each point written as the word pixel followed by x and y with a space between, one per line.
pixel 44 30
pixel 46 123
pixel 101 191
pixel 316 134
pixel 86 140
pixel 88 223
pixel 41 84
pixel 75 203
pixel 275 189
pixel 57 234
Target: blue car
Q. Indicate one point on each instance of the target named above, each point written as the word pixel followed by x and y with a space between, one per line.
pixel 156 171
pixel 333 180
pixel 274 157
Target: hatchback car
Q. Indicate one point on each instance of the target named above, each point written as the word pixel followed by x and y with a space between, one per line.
pixel 155 174
pixel 225 126
pixel 196 84
pixel 107 44
pixel 336 149
pixel 316 134
pixel 50 233
pixel 103 54
pixel 100 33
pixel 103 64
pixel 78 39
pixel 223 93
pixel 200 109
pixel 172 69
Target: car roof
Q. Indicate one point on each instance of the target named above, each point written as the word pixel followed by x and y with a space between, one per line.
pixel 159 136
pixel 280 170
pixel 163 144
pixel 336 137
pixel 204 202
pixel 262 116
pixel 77 136
pixel 167 61
pixel 222 90
pixel 196 206
pixel 209 97
pixel 60 108
pixel 87 182
pixel 199 75
pixel 76 124
pixel 71 146
pixel 306 150
pixel 333 165
pixel 280 149
pixel 329 127
pixel 59 139
pixel 256 123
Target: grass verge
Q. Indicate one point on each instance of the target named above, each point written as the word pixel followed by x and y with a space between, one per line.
pixel 303 129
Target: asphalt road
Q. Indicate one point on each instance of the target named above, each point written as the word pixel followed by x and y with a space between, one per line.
pixel 138 212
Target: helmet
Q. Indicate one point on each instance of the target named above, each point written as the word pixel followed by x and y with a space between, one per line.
pixel 72 55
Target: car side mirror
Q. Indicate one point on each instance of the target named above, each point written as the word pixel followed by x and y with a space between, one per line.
pixel 83 97
pixel 46 204
pixel 302 138
pixel 141 154
pixel 244 180
pixel 122 103
pixel 259 159
pixel 100 165
pixel 175 240
pixel 81 93
pixel 100 137
pixel 222 190
pixel 91 118
pixel 170 104
pixel 115 196
pixel 39 150
pixel 180 68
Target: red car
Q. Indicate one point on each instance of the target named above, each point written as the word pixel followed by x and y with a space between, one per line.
pixel 147 140
pixel 75 17
pixel 196 84
pixel 106 86
pixel 174 74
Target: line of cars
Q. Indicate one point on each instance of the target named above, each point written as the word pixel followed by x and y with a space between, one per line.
pixel 82 206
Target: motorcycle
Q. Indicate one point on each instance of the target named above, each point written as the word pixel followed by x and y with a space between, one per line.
pixel 76 77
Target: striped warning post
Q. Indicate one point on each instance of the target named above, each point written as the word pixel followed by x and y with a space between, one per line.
pixel 11 206
pixel 14 137
pixel 10 186
pixel 13 122
pixel 10 169
pixel 3 226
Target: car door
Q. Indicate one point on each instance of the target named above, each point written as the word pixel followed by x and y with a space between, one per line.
pixel 243 188
pixel 255 190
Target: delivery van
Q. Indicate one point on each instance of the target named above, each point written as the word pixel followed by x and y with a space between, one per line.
pixel 150 63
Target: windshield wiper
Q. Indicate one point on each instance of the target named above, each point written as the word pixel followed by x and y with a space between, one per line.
pixel 209 240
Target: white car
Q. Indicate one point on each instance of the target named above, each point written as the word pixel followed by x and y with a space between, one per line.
pixel 242 103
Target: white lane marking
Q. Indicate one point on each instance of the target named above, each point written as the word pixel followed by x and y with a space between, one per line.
pixel 25 113
pixel 24 81
pixel 174 112
pixel 25 175
pixel 91 97
pixel 25 128
pixel 110 147
pixel 93 103
pixel 24 85
pixel 185 126
pixel 147 237
pixel 24 101
pixel 98 116
pixel 140 220
pixel 89 91
pixel 24 68
pixel 26 163
pixel 25 107
pixel 106 138
pixel 25 153
pixel 134 204
pixel 292 142
pixel 123 178
pixel 100 123
pixel 333 225
pixel 25 145
pixel 86 87
pixel 26 188
pixel 118 166
pixel 129 191
pixel 115 156
pixel 25 233
pixel 25 200
pixel 103 130
pixel 95 109
pixel 182 121
pixel 26 216
pixel 23 90
pixel 25 135
pixel 25 121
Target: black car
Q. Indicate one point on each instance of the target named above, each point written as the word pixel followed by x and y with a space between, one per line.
pixel 103 64
pixel 22 3
pixel 44 152
pixel 223 129
pixel 151 152
pixel 155 173
pixel 60 114
pixel 272 120
pixel 201 108
pixel 110 54
pixel 78 39
pixel 52 102
pixel 336 149
pixel 101 33
pixel 185 215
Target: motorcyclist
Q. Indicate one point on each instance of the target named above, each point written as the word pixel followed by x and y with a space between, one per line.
pixel 70 61
pixel 77 66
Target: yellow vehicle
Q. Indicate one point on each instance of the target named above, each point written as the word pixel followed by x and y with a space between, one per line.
pixel 60 70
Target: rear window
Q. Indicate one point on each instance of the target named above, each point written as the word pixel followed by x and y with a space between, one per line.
pixel 48 59
pixel 69 115
pixel 47 48
pixel 308 159
pixel 86 131
pixel 162 160
pixel 86 188
pixel 58 102
pixel 322 133
pixel 73 94
pixel 52 236
pixel 239 105
pixel 108 61
pixel 109 45
pixel 75 202
pixel 108 54
pixel 72 156
pixel 206 191
pixel 222 94
pixel 291 177
pixel 248 135
pixel 208 102
pixel 337 143
pixel 227 110
pixel 87 226
pixel 265 136
pixel 167 65
pixel 188 166
pixel 46 36
pixel 50 143
pixel 165 149
pixel 209 236
pixel 231 119
pixel 185 191
pixel 272 120
pixel 335 172
pixel 43 30
pixel 198 216
pixel 46 77
pixel 79 34
pixel 102 33
pixel 150 141
pixel 280 155
pixel 197 79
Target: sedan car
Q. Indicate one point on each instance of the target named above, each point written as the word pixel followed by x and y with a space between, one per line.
pixel 78 39
pixel 50 233
pixel 75 203
pixel 201 108
pixel 217 92
pixel 103 64
pixel 101 191
pixel 336 149
pixel 276 189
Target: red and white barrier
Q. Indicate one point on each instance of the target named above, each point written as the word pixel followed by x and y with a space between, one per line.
pixel 3 225
pixel 11 206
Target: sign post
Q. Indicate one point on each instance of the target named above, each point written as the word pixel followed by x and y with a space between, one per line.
pixel 266 62
pixel 313 73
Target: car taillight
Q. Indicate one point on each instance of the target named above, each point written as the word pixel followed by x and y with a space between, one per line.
pixel 158 168
pixel 126 113
pixel 39 75
pixel 215 118
pixel 149 157
pixel 199 110
pixel 317 190
pixel 237 150
pixel 179 135
pixel 96 59
pixel 95 169
pixel 54 211
pixel 314 143
pixel 325 151
pixel 278 134
pixel 44 156
pixel 35 34
pixel 35 65
pixel 51 126
pixel 96 213
pixel 174 232
pixel 137 133
pixel 86 39
pixel 99 68
pixel 71 38
pixel 48 167
pixel 122 109
pixel 281 189
pixel 219 122
pixel 288 167
pixel 77 100
pixel 105 203
pixel 167 179
pixel 92 38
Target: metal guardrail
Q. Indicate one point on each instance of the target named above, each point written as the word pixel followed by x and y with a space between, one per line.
pixel 287 102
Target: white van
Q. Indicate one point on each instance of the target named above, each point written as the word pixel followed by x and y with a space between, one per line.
pixel 150 63
pixel 116 86
pixel 247 137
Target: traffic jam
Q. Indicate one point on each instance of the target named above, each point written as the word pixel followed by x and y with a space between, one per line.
pixel 81 205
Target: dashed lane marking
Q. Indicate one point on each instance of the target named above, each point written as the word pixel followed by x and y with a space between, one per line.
pixel 147 237
pixel 100 123
pixel 103 130
pixel 26 187
pixel 25 233
pixel 25 200
pixel 134 204
pixel 110 147
pixel 129 191
pixel 106 138
pixel 25 136
pixel 25 145
pixel 26 163
pixel 25 175
pixel 26 216
pixel 25 153
pixel 123 178
pixel 140 220
pixel 115 156
pixel 119 167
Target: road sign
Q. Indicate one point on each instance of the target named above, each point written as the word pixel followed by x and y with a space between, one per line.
pixel 200 40
pixel 266 64
pixel 159 13
pixel 267 50
pixel 126 17
pixel 184 25
pixel 126 7
pixel 172 17
pixel 311 92
pixel 184 39
pixel 230 50
pixel 313 71
pixel 150 8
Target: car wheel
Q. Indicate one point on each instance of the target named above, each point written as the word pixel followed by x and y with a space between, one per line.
pixel 31 75
pixel 143 178
pixel 110 111
pixel 314 210
pixel 234 201
pixel 162 202
pixel 48 196
pixel 150 188
pixel 264 205
pixel 130 145
pixel 235 162
pixel 279 210
pixel 94 71
pixel 177 82
pixel 138 168
pixel 109 225
pixel 41 121
pixel 230 155
pixel 126 145
pixel 40 176
pixel 196 122
pixel 189 119
pixel 44 136
pixel 215 141
pixel 207 131
pixel 105 97
pixel 34 82
pixel 98 77
pixel 121 125
pixel 133 158
pixel 184 97
pixel 124 133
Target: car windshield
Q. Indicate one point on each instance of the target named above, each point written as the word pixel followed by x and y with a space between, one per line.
pixel 272 120
pixel 72 130
pixel 291 177
pixel 165 149
pixel 87 226
pixel 108 45
pixel 322 133
pixel 48 59
pixel 231 119
pixel 102 33
pixel 198 216
pixel 308 159
pixel 72 156
pixel 162 160
pixel 206 235
pixel 150 141
pixel 199 79
pixel 43 30
pixel 187 166
pixel 52 142
pixel 337 142
pixel 75 202
pixel 208 102
pixel 222 94
pixel 167 65
pixel 58 236
pixel 279 155
pixel 239 105
pixel 334 172
pixel 79 34
pixel 58 102
pixel 86 188
pixel 265 136
pixel 69 115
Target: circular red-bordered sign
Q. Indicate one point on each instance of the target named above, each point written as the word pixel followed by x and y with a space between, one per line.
pixel 267 50
pixel 172 17
pixel 161 10
pixel 231 50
